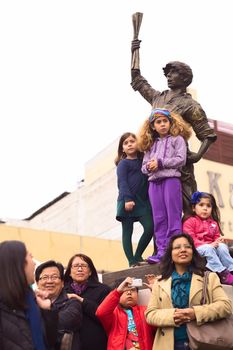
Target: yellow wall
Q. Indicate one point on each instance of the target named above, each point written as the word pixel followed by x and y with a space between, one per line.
pixel 107 255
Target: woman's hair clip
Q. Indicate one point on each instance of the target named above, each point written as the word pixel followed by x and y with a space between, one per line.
pixel 196 197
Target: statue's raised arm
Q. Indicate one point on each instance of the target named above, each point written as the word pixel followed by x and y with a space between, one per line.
pixel 137 20
pixel 176 99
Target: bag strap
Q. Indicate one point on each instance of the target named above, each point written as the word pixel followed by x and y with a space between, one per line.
pixel 205 287
pixel 1 332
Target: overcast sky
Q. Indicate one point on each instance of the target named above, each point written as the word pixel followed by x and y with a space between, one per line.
pixel 65 82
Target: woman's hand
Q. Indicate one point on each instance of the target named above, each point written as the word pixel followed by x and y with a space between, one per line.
pixel 73 295
pixel 42 299
pixel 150 278
pixel 182 316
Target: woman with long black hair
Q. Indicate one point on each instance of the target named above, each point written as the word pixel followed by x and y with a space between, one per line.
pixel 26 321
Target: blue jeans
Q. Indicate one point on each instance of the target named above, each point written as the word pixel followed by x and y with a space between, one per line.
pixel 218 259
pixel 180 345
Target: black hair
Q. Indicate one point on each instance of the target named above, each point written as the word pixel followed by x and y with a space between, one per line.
pixel 197 264
pixel 49 263
pixel 13 281
pixel 182 68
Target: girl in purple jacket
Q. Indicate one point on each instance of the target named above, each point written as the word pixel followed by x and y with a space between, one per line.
pixel 163 139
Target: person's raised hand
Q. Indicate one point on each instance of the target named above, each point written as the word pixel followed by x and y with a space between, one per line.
pixel 126 284
pixel 150 279
pixel 135 44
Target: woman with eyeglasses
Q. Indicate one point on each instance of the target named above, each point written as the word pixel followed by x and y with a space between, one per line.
pixel 176 295
pixel 26 319
pixel 82 283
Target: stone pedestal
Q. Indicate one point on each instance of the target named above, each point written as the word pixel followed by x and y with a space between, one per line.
pixel 138 272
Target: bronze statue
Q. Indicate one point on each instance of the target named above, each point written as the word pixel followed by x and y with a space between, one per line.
pixel 179 76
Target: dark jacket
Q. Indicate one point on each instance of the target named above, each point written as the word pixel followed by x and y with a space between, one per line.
pixel 15 333
pixel 92 334
pixel 69 319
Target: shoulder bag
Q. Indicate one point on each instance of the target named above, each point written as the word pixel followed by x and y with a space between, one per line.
pixel 1 332
pixel 216 335
pixel 66 343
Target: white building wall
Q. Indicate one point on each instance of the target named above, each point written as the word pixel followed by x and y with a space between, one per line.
pixel 90 210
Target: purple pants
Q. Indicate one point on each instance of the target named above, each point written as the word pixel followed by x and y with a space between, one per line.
pixel 166 202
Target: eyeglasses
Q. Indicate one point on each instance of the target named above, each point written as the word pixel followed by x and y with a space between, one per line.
pixel 182 246
pixel 47 277
pixel 77 266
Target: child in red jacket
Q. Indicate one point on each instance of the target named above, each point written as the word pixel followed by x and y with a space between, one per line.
pixel 204 227
pixel 123 319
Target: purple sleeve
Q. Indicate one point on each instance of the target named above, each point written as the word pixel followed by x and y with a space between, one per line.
pixel 145 160
pixel 179 157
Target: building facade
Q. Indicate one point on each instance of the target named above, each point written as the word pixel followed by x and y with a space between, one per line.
pixel 88 213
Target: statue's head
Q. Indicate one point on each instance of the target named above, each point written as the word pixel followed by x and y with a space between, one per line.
pixel 182 68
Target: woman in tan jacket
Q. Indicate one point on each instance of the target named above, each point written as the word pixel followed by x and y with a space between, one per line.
pixel 176 296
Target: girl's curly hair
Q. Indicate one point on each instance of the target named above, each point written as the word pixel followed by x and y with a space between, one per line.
pixel 147 135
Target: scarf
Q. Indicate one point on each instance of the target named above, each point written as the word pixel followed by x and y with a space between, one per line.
pixel 131 323
pixel 181 289
pixel 35 322
pixel 132 334
pixel 78 288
